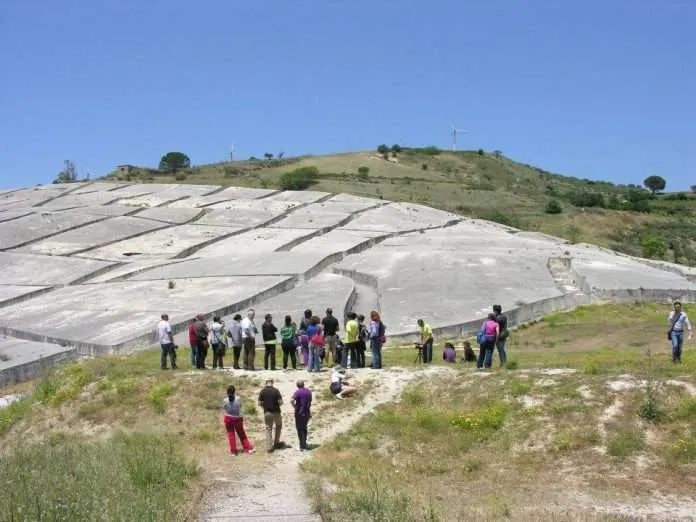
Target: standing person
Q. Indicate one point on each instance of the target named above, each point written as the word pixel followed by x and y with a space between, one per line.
pixel 502 321
pixel 426 337
pixel 487 339
pixel 306 320
pixel 270 400
pixel 249 332
pixel 363 339
pixel 316 344
pixel 166 340
pixel 234 422
pixel 677 320
pixel 302 402
pixel 217 341
pixel 303 340
pixel 331 327
pixel 235 333
pixel 202 332
pixel 350 341
pixel 193 341
pixel 268 331
pixel 288 339
pixel 377 331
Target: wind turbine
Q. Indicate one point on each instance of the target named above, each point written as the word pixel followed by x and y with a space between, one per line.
pixel 232 152
pixel 454 132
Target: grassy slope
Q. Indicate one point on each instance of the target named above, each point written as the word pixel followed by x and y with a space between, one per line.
pixel 485 186
pixel 524 444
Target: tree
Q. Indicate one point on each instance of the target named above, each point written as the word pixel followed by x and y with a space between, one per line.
pixel 68 174
pixel 384 151
pixel 396 148
pixel 693 188
pixel 173 161
pixel 268 155
pixel 655 183
pixel 553 207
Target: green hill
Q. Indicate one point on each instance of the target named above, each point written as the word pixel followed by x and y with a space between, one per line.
pixel 478 184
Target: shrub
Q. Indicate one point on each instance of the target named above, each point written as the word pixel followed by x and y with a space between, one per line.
pixel 553 207
pixel 396 148
pixel 653 247
pixel 625 441
pixel 424 166
pixel 299 179
pixel 363 173
pixel 677 196
pixel 180 176
pixel 584 198
pixel 383 149
pixel 480 152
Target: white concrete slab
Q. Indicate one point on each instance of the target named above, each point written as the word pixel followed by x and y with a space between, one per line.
pixel 93 235
pixel 353 203
pixel 256 240
pixel 198 201
pixel 244 193
pixel 21 360
pixel 173 193
pixel 11 292
pixel 338 240
pixel 163 243
pixel 298 196
pixel 128 269
pixel 100 186
pixel 398 217
pixel 244 216
pixel 42 224
pixel 101 210
pixel 31 269
pixel 313 216
pixel 113 313
pixel 176 216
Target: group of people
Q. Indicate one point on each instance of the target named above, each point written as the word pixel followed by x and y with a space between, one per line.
pixel 270 401
pixel 315 342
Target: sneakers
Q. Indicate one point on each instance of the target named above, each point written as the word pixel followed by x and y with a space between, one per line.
pixel 251 451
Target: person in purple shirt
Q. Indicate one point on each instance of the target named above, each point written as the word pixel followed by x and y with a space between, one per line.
pixel 449 354
pixel 302 402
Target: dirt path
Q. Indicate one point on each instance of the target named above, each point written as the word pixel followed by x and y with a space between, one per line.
pixel 274 490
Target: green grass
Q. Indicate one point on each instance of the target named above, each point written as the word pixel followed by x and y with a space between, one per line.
pixel 487 186
pixel 130 477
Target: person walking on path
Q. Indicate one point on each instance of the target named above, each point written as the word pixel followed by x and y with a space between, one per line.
pixel 316 344
pixel 377 331
pixel 302 402
pixel 193 341
pixel 330 326
pixel 350 341
pixel 202 332
pixel 268 331
pixel 363 339
pixel 677 321
pixel 166 340
pixel 270 401
pixel 235 335
pixel 426 337
pixel 249 332
pixel 487 339
pixel 218 342
pixel 288 341
pixel 234 422
pixel 502 321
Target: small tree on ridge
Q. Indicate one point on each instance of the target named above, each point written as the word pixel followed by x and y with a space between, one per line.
pixel 655 183
pixel 173 161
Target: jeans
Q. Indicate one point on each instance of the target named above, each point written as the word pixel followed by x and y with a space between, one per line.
pixel 314 357
pixel 501 350
pixel 249 353
pixel 289 352
pixel 218 354
pixel 269 354
pixel 428 351
pixel 201 354
pixel 193 353
pixel 272 419
pixel 376 348
pixel 236 425
pixel 485 356
pixel 301 422
pixel 236 354
pixel 168 350
pixel 677 343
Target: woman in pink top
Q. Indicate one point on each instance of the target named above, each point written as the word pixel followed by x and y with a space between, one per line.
pixel 491 331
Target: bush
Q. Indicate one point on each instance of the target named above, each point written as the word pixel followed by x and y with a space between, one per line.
pixel 299 179
pixel 130 477
pixel 654 247
pixel 677 196
pixel 553 207
pixel 480 152
pixel 396 148
pixel 363 173
pixel 424 166
pixel 180 176
pixel 584 198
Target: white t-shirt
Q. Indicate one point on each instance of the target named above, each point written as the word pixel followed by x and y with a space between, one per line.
pixel 217 333
pixel 248 328
pixel 164 331
pixel 337 377
pixel 681 322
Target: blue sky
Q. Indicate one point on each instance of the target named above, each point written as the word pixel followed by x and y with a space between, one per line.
pixel 596 89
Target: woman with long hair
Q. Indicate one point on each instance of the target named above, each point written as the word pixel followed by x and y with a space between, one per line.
pixel 234 422
pixel 377 331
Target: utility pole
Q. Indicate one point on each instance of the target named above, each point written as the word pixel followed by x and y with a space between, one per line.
pixel 454 132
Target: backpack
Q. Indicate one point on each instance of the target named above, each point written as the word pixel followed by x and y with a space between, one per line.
pixel 382 330
pixel 481 335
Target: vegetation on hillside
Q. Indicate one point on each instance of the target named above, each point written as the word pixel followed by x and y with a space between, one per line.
pixel 628 218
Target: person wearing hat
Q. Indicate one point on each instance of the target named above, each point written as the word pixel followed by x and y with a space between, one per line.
pixel 339 386
pixel 330 326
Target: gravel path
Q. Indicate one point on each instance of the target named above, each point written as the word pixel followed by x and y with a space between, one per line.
pixel 275 491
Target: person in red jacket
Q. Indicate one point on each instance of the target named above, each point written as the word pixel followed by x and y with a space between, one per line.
pixel 192 341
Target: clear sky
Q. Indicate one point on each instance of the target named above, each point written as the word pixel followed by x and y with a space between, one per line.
pixel 595 89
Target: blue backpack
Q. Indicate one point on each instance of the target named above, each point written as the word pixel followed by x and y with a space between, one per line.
pixel 481 335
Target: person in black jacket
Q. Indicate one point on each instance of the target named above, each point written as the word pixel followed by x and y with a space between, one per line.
pixel 268 331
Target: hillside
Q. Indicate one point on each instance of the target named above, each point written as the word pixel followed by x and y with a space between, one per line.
pixel 483 185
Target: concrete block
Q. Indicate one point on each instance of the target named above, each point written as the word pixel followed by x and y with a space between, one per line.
pixel 23 360
pixel 37 270
pixel 33 227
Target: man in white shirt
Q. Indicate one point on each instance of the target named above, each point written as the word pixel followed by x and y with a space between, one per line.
pixel 166 340
pixel 677 321
pixel 249 332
